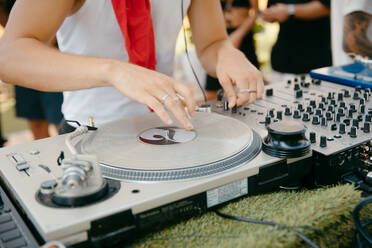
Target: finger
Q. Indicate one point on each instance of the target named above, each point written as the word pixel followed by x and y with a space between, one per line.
pixel 253 87
pixel 155 105
pixel 187 95
pixel 260 88
pixel 178 110
pixel 227 85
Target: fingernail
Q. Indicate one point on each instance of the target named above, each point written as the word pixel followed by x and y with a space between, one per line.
pixel 189 126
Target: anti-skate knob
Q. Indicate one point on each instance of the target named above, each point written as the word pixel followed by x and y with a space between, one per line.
pixel 312 137
pixel 323 141
pixel 342 129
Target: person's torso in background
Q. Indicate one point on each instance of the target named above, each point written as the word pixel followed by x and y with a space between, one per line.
pixel 94 31
pixel 302 45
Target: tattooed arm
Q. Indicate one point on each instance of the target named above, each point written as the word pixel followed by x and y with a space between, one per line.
pixel 357 37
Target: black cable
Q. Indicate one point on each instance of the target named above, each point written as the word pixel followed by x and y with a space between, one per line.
pixel 188 57
pixel 269 223
pixel 359 227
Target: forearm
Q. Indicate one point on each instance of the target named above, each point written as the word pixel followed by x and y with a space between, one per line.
pixel 311 10
pixel 357 25
pixel 238 34
pixel 29 63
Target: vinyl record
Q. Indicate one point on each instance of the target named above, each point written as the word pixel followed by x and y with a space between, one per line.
pixel 129 148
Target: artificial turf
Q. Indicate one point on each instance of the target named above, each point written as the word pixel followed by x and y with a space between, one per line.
pixel 325 214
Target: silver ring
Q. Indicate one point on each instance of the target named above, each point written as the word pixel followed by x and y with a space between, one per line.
pixel 163 98
pixel 247 91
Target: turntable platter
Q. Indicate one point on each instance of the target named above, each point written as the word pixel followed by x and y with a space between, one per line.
pixel 143 144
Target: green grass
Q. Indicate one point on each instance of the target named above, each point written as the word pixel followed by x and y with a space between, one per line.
pixel 327 212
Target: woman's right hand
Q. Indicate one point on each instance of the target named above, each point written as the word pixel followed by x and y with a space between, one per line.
pixel 156 90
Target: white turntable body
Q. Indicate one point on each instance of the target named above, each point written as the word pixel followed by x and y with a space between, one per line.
pixel 159 174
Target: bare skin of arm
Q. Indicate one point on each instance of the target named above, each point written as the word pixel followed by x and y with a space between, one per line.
pixel 306 11
pixel 219 57
pixel 355 38
pixel 27 60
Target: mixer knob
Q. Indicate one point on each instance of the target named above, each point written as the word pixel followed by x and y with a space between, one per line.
pixel 338 117
pixel 300 107
pixel 321 106
pixel 361 101
pixel 323 141
pixel 270 92
pixel 342 105
pixel 341 111
pixel 309 109
pixel 279 115
pixel 305 117
pixel 315 120
pixel 368 118
pixel 318 112
pixel 340 97
pixel 355 123
pixel 289 81
pixel 234 109
pixel 366 96
pixel 331 108
pixel 312 137
pixel 362 108
pixel 271 113
pixel 267 120
pixel 360 118
pixel 324 122
pixel 346 93
pixel 358 89
pixel 313 103
pixel 324 100
pixel 296 79
pixel 367 90
pixel 287 111
pixel 220 94
pixel 330 95
pixel 366 127
pixel 296 87
pixel 226 106
pixel 329 116
pixel 350 114
pixel 352 107
pixel 296 114
pixel 347 122
pixel 353 132
pixel 333 102
pixel 334 127
pixel 307 85
pixel 356 96
pixel 342 128
pixel 299 93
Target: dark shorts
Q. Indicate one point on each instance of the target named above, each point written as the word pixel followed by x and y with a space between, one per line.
pixel 37 105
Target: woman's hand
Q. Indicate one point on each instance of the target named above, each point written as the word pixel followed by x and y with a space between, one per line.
pixel 156 90
pixel 234 69
pixel 276 13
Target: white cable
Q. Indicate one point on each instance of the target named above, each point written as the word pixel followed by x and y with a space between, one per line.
pixel 79 131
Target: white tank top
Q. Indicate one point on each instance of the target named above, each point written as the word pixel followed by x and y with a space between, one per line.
pixel 93 31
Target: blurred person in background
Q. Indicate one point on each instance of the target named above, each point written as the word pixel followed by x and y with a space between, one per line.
pixel 304 41
pixel 240 17
pixel 39 108
pixel 351 29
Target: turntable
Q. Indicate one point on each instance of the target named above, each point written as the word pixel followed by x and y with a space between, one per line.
pixel 152 174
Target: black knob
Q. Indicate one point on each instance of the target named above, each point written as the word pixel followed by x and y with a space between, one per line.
pixel 340 97
pixel 269 92
pixel 271 113
pixel 234 109
pixel 324 121
pixel 346 93
pixel 342 129
pixel 289 82
pixel 353 132
pixel 366 96
pixel 307 85
pixel 300 107
pixel 347 122
pixel 333 102
pixel 312 137
pixel 267 120
pixel 299 93
pixel 309 109
pixel 321 106
pixel 368 118
pixel 362 108
pixel 286 139
pixel 329 116
pixel 331 108
pixel 356 96
pixel 323 141
pixel 287 111
pixel 226 105
pixel 315 120
pixel 352 107
pixel 313 103
pixel 358 89
pixel 296 79
pixel 296 114
pixel 334 127
pixel 324 100
pixel 356 123
pixel 338 117
pixel 341 111
pixel 220 94
pixel 350 114
pixel 305 117
pixel 342 105
pixel 318 112
pixel 303 77
pixel 279 115
pixel 296 87
pixel 330 95
pixel 362 101
pixel 360 118
pixel 366 127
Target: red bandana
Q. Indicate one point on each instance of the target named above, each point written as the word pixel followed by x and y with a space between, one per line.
pixel 134 19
